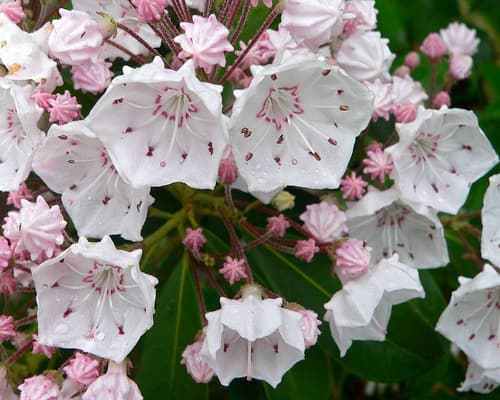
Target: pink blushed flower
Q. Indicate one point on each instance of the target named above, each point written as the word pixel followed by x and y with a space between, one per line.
pixel 309 324
pixel 64 108
pixel 228 171
pixel 402 71
pixel 378 164
pixel 82 370
pixel 205 41
pixel 459 39
pixel 306 249
pixel 39 387
pixel 441 99
pixel 197 367
pixel 15 196
pixel 412 60
pixel 260 53
pixel 39 348
pixel 433 46
pixel 353 257
pixel 325 221
pixel 7 330
pixel 405 113
pixel 233 270
pixel 149 10
pixel 92 77
pixel 13 10
pixel 277 226
pixel 194 239
pixel 353 187
pixel 5 252
pixel 460 66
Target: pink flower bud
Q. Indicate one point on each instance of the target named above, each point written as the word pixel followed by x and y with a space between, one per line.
pixel 228 171
pixel 442 99
pixel 405 112
pixel 353 257
pixel 39 348
pixel 5 252
pixel 402 71
pixel 433 47
pixel 7 330
pixel 194 239
pixel 412 60
pixel 82 370
pixel 309 324
pixel 13 10
pixel 149 10
pixel 39 387
pixel 15 196
pixel 325 221
pixel 92 77
pixel 277 226
pixel 306 249
pixel 195 365
pixel 233 270
pixel 460 66
pixel 64 108
pixel 378 164
pixel 42 99
pixel 353 187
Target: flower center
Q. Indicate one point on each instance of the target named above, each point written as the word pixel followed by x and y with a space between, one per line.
pixel 280 105
pixel 105 279
pixel 424 147
pixel 12 127
pixel 174 105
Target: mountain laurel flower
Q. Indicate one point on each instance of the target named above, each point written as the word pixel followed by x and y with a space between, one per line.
pixel 259 54
pixel 5 253
pixel 391 225
pixel 13 10
pixel 205 41
pixel 149 10
pixel 362 308
pixel 82 370
pixel 442 98
pixel 42 99
pixel 6 392
pixel 277 226
pixel 64 108
pixel 39 348
pixel 405 113
pixel 7 329
pixel 114 384
pixel 384 98
pixel 233 270
pixel 296 124
pixel 92 77
pixel 197 366
pixel 412 60
pixel 438 157
pixel 306 249
pixel 433 47
pixel 490 219
pixel 76 38
pixel 95 298
pixel 74 162
pixel 460 66
pixel 39 387
pixel 309 324
pixel 459 39
pixel 161 126
pixel 352 259
pixel 479 379
pixel 378 164
pixel 324 221
pixel 364 15
pixel 194 239
pixel 366 56
pixel 405 90
pixel 15 196
pixel 252 338
pixel 228 171
pixel 472 321
pixel 353 187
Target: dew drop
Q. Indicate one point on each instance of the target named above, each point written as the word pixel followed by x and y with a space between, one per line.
pixel 100 336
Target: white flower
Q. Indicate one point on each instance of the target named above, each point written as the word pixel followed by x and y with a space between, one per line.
pixel 95 298
pixel 472 319
pixel 490 218
pixel 384 98
pixel 406 90
pixel 362 308
pixel 459 39
pixel 24 59
pixel 439 155
pixel 253 337
pixel 296 124
pixel 19 133
pixel 74 162
pixel 162 126
pixel 366 56
pixel 390 225
pixel 480 380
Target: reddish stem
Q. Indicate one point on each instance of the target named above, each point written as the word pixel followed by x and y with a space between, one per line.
pixel 19 353
pixel 138 38
pixel 201 299
pixel 241 22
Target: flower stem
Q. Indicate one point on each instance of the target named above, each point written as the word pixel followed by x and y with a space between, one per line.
pixel 196 279
pixel 139 39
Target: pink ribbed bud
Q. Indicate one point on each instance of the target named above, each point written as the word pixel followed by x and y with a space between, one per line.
pixel 93 77
pixel 433 46
pixel 460 66
pixel 149 10
pixel 7 330
pixel 195 365
pixel 441 99
pixel 353 257
pixel 309 325
pixel 405 113
pixel 378 164
pixel 64 108
pixel 412 60
pixel 5 252
pixel 15 196
pixel 194 239
pixel 42 99
pixel 306 249
pixel 13 10
pixel 8 284
pixel 39 348
pixel 353 187
pixel 402 71
pixel 39 387
pixel 82 370
pixel 325 221
pixel 233 270
pixel 277 226
pixel 228 171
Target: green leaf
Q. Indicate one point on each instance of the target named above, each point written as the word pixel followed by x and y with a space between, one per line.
pixel 177 320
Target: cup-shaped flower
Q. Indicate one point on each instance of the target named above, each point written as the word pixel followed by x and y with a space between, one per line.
pixel 490 218
pixel 480 380
pixel 162 126
pixel 438 157
pixel 74 162
pixel 362 308
pixel 472 319
pixel 459 39
pixel 296 124
pixel 95 298
pixel 391 225
pixel 253 338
